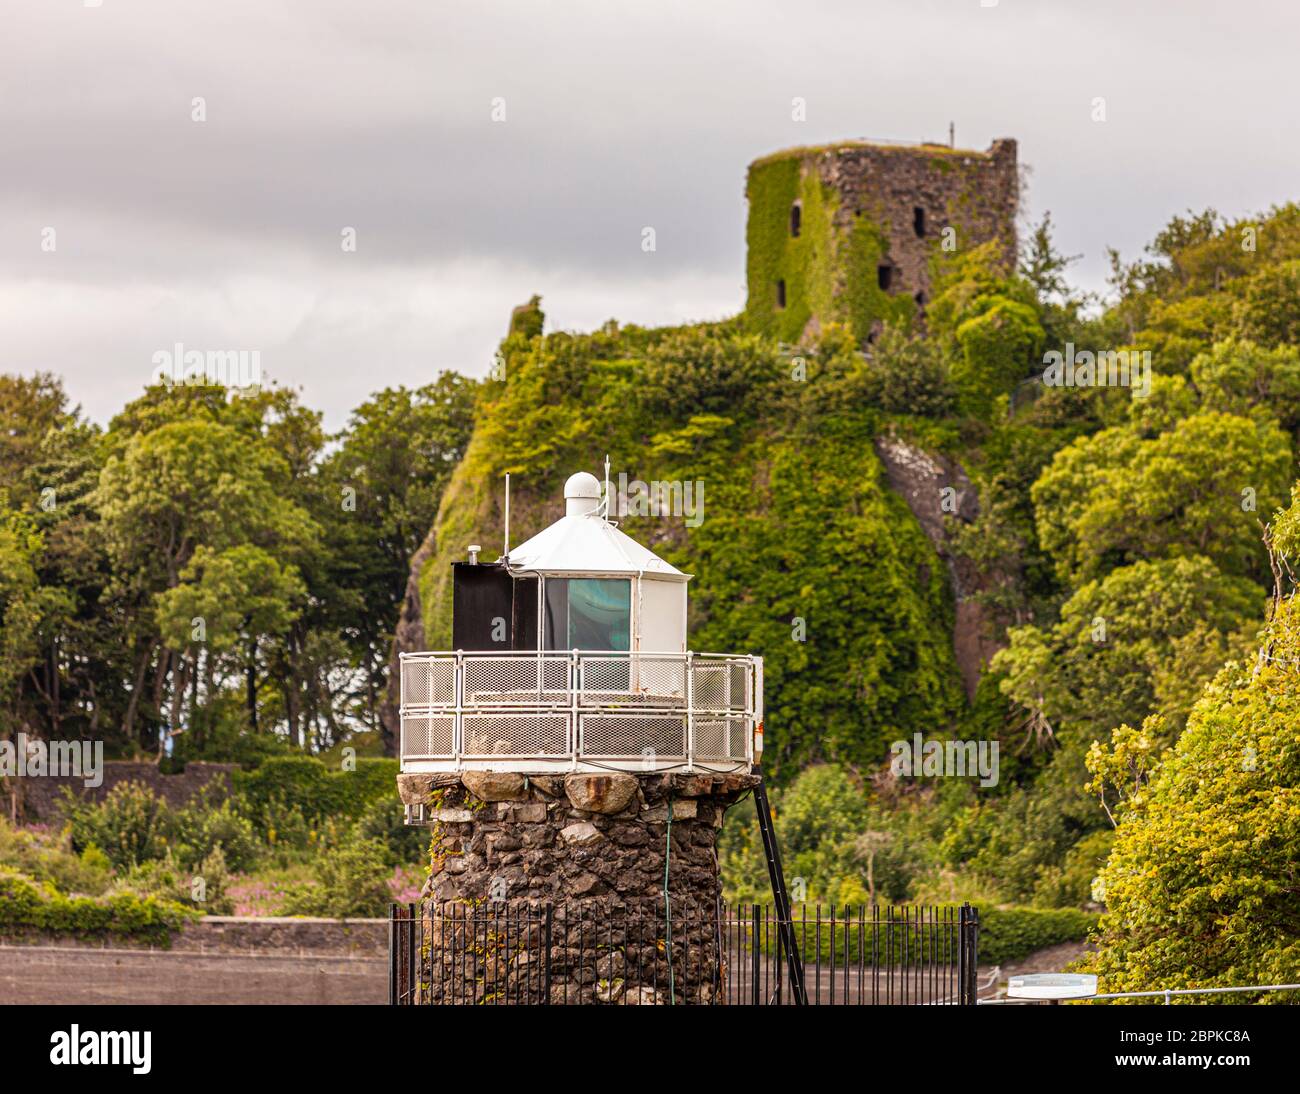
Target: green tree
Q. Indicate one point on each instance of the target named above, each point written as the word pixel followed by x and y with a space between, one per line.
pixel 1200 888
pixel 167 493
pixel 1101 664
pixel 1116 497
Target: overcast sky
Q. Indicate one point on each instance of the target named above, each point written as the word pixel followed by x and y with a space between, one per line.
pixel 377 115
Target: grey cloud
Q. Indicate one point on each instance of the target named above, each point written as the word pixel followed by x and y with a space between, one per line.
pixel 326 113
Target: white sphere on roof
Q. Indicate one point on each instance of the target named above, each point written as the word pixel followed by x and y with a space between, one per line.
pixel 581 494
pixel 582 485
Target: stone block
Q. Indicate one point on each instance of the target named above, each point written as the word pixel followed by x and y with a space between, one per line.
pixel 522 812
pixel 494 786
pixel 600 793
pixel 449 816
pixel 682 810
pixel 550 785
pixel 582 833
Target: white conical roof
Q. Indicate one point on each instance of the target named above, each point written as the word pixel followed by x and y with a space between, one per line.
pixel 589 544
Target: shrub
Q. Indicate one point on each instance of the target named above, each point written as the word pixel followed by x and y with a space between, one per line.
pixel 318 792
pixel 134 826
pixel 1005 934
pixel 699 371
pixel 203 888
pixel 910 375
pixel 130 826
pixel 199 831
pixel 48 856
pixel 1008 934
pixel 351 883
pixel 28 905
pixel 385 823
pixel 1200 887
pixel 1071 883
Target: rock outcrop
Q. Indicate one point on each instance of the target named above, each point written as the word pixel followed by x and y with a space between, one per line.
pixel 936 488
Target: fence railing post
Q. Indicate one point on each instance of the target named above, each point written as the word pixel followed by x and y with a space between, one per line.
pixel 410 954
pixel 967 954
pixel 546 960
pixel 392 955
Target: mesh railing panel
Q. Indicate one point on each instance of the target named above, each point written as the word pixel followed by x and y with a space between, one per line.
pixel 429 682
pixel 506 681
pixel 659 681
pixel 429 735
pixel 630 736
pixel 487 735
pixel 634 706
pixel 720 738
pixel 719 685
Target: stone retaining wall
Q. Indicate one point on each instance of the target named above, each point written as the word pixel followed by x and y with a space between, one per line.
pixel 38 799
pixel 268 935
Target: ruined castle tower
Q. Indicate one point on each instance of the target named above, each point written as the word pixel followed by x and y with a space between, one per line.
pixel 847 232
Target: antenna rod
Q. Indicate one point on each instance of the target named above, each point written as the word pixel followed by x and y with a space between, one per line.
pixel 506 552
pixel 606 486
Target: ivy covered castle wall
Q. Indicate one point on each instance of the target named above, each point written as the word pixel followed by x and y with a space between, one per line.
pixel 847 233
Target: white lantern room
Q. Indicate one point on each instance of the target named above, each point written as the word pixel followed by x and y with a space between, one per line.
pixel 599 588
pixel 571 655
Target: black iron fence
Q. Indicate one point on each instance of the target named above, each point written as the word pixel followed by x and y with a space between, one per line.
pixel 656 954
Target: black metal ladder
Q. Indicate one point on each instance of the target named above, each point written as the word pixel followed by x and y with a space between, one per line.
pixel 784 919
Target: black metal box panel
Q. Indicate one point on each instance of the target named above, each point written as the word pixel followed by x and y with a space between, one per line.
pixel 491 610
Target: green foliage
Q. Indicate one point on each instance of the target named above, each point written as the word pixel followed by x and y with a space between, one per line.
pixel 804 263
pixel 1074 882
pixel 1106 660
pixel 910 375
pixel 351 883
pixel 1200 886
pixel 1015 845
pixel 837 846
pixel 1005 934
pixel 1009 934
pixel 384 823
pixel 130 826
pixel 1270 310
pixel 1242 378
pixel 1115 497
pixel 998 342
pixel 49 857
pixel 204 887
pixel 201 830
pixel 988 326
pixel 316 792
pixel 527 320
pixel 27 905
pixel 865 304
pixel 133 826
pixel 695 372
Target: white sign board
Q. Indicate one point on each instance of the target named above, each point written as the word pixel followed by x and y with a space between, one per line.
pixel 1052 985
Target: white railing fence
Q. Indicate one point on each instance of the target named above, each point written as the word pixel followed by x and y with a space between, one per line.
pixel 594 709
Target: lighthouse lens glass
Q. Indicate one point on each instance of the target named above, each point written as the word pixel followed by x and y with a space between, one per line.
pixel 588 614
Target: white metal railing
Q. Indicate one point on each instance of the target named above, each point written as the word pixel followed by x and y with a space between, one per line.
pixel 579 710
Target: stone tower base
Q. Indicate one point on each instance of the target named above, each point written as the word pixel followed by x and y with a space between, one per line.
pixel 555 885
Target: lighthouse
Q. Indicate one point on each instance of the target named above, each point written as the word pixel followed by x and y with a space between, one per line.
pixel 571 656
pixel 571 754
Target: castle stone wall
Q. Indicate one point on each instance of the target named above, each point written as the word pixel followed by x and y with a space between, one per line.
pixel 871 218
